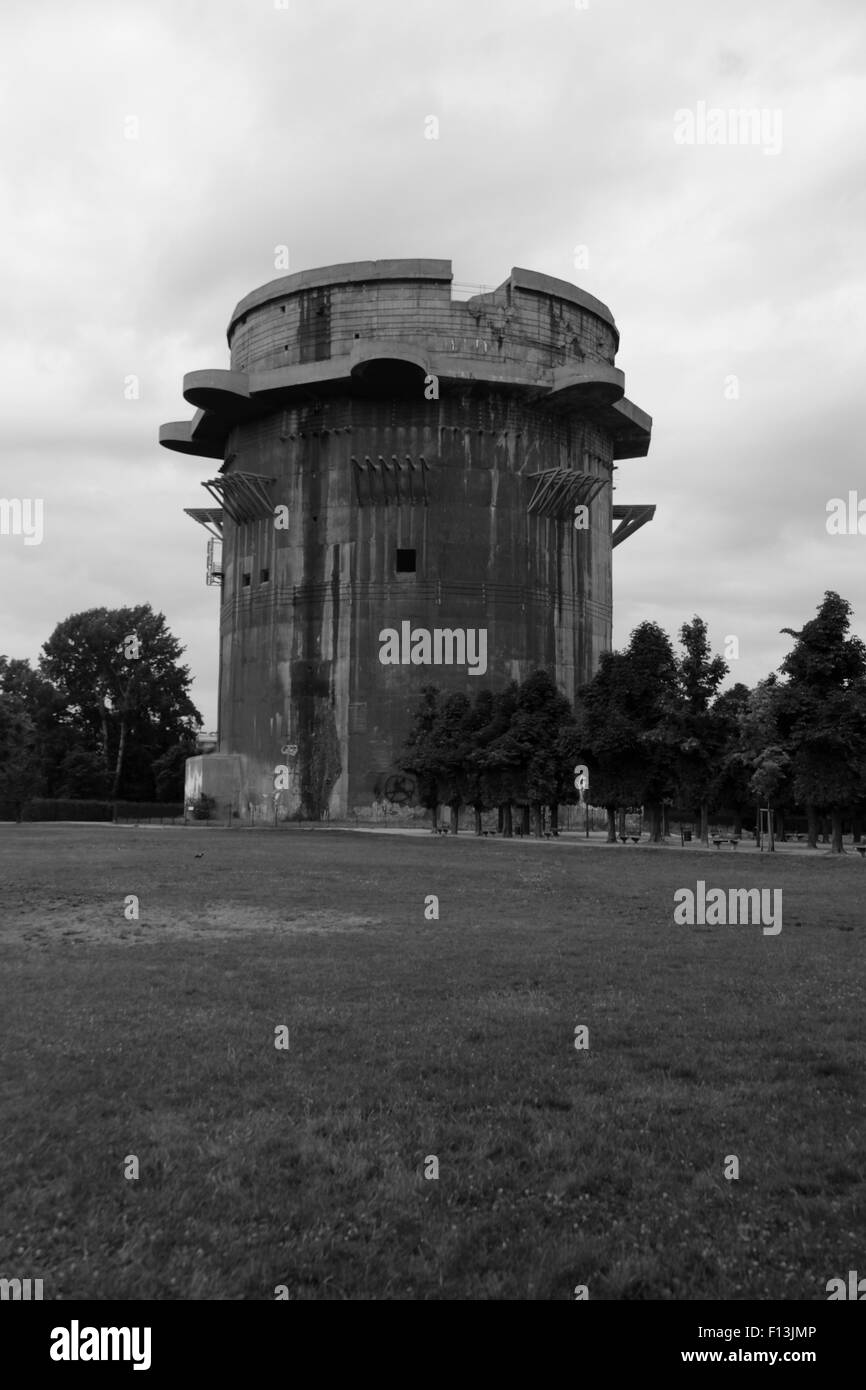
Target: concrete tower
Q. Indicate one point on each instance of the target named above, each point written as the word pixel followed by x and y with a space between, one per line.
pixel 395 465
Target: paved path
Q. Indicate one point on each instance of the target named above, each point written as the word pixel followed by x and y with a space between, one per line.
pixel 598 840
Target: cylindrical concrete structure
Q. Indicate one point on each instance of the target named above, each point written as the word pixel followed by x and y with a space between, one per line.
pixel 415 490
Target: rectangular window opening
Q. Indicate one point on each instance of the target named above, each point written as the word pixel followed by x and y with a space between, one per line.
pixel 405 561
pixel 264 576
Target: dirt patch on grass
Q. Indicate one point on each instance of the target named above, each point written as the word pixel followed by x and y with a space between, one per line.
pixel 58 922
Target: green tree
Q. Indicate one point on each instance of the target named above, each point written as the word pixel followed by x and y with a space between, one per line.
pixel 695 731
pixel 568 754
pixel 450 748
pixel 821 715
pixel 608 739
pixel 57 732
pixel 118 669
pixel 82 774
pixel 496 758
pixel 169 770
pixel 478 722
pixel 730 791
pixel 624 715
pixel 419 755
pixel 541 714
pixel 19 755
pixel 762 750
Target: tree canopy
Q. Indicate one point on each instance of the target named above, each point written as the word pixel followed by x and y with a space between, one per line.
pixel 108 710
pixel 654 728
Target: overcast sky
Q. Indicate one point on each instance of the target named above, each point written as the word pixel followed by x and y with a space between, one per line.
pixel 734 271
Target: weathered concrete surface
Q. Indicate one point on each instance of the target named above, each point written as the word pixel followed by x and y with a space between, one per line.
pixel 385 416
pixel 218 775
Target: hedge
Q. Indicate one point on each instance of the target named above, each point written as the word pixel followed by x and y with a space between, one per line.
pixel 41 808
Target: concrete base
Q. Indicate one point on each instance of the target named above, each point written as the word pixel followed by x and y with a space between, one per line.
pixel 243 792
pixel 219 775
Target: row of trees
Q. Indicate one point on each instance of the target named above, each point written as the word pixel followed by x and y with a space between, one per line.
pixel 497 750
pixel 105 714
pixel 655 731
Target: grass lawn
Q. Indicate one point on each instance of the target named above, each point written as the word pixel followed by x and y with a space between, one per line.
pixel 412 1038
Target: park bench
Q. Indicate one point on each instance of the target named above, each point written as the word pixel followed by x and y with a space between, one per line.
pixel 861 850
pixel 719 840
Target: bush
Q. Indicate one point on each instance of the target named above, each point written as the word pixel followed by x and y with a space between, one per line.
pixel 202 807
pixel 149 810
pixel 63 808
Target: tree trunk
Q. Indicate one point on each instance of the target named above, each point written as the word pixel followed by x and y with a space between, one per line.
pixel 705 823
pixel 856 830
pixel 554 819
pixel 103 713
pixel 656 823
pixel 738 825
pixel 812 821
pixel 622 822
pixel 500 818
pixel 836 822
pixel 536 819
pixel 771 817
pixel 118 767
pixel 527 828
pixel 507 831
pixel 455 816
pixel 611 824
pixel 477 810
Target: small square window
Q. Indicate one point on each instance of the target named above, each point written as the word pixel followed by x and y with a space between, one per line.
pixel 264 576
pixel 245 580
pixel 405 561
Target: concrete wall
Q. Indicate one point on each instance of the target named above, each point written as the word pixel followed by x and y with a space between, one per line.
pixel 308 318
pixel 300 650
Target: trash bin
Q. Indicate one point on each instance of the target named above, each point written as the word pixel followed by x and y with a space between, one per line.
pixel 687 835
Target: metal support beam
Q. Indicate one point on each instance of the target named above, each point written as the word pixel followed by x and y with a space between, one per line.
pixel 631 519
